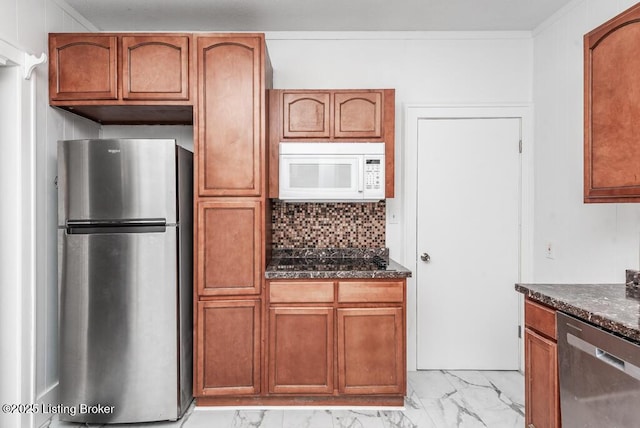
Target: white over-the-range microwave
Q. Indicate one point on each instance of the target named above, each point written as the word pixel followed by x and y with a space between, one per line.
pixel 353 172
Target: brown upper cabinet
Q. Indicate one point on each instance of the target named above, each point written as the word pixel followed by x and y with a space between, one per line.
pixel 155 67
pixel 231 76
pixel 306 115
pixel 612 108
pixel 83 67
pixel 325 115
pixel 122 78
pixel 357 114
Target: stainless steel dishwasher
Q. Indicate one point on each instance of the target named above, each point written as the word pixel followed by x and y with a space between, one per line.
pixel 599 377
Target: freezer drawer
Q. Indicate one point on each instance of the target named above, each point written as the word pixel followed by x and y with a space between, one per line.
pixel 118 325
pixel 116 179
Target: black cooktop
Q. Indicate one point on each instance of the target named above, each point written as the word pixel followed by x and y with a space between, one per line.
pixel 375 263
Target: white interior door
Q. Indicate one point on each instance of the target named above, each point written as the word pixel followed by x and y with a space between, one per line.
pixel 468 222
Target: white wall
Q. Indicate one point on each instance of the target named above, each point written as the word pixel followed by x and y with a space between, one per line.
pixel 434 68
pixel 24 24
pixel 590 242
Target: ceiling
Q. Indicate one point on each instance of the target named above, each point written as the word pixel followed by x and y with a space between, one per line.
pixel 316 15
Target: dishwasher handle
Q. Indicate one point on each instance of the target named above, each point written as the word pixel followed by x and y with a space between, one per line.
pixel 610 359
pixel 604 356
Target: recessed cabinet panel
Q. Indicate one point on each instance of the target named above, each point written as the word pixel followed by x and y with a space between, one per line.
pixel 230 130
pixel 540 318
pixel 306 115
pixel 229 247
pixel 155 67
pixel 228 348
pixel 370 291
pixel 612 107
pixel 371 351
pixel 83 67
pixel 301 350
pixel 358 115
pixel 301 291
pixel 541 381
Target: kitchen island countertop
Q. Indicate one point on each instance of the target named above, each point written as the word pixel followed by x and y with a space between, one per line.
pixel 615 307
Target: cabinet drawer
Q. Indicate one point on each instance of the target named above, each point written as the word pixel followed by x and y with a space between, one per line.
pixel 301 292
pixel 366 292
pixel 540 318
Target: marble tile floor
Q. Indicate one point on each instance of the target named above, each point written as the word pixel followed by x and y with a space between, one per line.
pixel 435 399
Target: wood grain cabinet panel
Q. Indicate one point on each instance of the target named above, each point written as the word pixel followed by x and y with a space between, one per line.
pixel 230 148
pixel 612 108
pixel 542 391
pixel 83 67
pixel 371 351
pixel 370 291
pixel 306 114
pixel 155 67
pixel 229 240
pixel 542 400
pixel 301 352
pixel 301 292
pixel 358 114
pixel 228 348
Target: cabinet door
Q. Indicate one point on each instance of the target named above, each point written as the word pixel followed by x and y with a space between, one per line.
pixel 371 356
pixel 612 108
pixel 229 240
pixel 306 114
pixel 155 67
pixel 301 350
pixel 230 127
pixel 228 348
pixel 542 401
pixel 83 67
pixel 358 114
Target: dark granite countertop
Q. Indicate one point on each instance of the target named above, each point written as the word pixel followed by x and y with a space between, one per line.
pixel 615 307
pixel 334 263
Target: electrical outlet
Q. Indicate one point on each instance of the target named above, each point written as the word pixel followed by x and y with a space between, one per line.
pixel 549 251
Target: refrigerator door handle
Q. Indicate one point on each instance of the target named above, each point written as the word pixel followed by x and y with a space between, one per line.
pixel 151 225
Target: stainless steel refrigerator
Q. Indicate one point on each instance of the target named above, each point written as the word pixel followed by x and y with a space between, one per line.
pixel 125 279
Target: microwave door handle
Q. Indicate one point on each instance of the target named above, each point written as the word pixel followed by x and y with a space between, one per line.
pixel 361 174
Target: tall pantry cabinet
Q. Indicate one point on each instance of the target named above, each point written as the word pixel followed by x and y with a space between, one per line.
pixel 232 213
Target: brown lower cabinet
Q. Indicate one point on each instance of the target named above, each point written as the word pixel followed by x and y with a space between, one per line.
pixel 228 348
pixel 309 341
pixel 301 351
pixel 371 351
pixel 542 393
pixel 337 338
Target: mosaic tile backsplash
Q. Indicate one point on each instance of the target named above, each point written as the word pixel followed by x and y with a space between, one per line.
pixel 328 225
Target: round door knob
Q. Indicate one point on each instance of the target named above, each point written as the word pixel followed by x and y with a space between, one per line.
pixel 425 257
